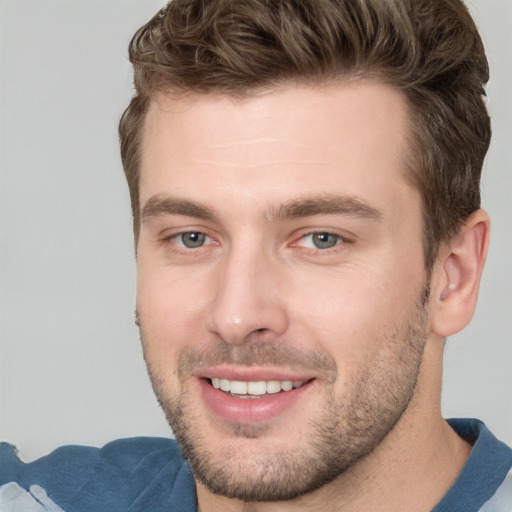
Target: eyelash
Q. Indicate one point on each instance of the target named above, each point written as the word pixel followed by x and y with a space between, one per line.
pixel 171 240
pixel 341 240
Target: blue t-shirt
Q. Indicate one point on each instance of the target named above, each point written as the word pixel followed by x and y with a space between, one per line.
pixel 150 474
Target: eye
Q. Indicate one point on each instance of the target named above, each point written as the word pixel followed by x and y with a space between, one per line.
pixel 192 239
pixel 320 240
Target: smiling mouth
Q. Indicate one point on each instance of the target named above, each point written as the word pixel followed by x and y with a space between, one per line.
pixel 254 389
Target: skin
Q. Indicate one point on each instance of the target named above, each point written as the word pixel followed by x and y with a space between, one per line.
pixel 258 300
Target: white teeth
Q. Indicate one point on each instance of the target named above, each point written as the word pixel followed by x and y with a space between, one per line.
pixel 239 388
pixel 273 386
pixel 256 388
pixel 287 385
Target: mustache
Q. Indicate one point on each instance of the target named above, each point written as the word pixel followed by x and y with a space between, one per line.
pixel 257 354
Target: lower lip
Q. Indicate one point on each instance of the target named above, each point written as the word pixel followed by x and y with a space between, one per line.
pixel 249 410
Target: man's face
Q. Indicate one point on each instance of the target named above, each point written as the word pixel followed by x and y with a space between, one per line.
pixel 280 258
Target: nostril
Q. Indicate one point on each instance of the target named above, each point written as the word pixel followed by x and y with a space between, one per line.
pixel 262 335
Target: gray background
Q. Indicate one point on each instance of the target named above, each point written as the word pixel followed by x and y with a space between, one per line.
pixel 71 369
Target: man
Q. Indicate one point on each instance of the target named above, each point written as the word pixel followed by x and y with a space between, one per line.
pixel 304 178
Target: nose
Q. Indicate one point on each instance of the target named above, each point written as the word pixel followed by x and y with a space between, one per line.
pixel 248 304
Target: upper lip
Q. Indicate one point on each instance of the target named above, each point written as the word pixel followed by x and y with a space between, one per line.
pixel 251 374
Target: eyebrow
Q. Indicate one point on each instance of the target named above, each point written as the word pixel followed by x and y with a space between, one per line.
pixel 294 208
pixel 166 205
pixel 325 205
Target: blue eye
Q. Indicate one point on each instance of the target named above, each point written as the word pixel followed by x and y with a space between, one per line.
pixel 320 240
pixel 192 239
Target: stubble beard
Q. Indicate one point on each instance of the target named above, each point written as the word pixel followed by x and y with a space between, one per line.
pixel 352 425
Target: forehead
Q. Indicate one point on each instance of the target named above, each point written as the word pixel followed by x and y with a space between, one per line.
pixel 348 139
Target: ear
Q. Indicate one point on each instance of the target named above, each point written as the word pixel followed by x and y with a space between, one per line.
pixel 456 276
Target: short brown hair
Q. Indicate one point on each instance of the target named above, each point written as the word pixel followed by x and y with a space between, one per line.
pixel 429 50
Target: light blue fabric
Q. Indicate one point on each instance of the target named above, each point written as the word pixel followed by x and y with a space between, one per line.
pixel 147 474
pixel 15 499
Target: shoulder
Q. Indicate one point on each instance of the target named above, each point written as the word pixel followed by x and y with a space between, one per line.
pixel 140 473
pixel 486 474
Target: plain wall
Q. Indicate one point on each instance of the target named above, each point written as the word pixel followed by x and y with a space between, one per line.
pixel 71 368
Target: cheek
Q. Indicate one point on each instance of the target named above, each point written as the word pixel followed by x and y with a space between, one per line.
pixel 171 309
pixel 347 313
pixel 342 297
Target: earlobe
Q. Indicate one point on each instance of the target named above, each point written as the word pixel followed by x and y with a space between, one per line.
pixel 457 274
